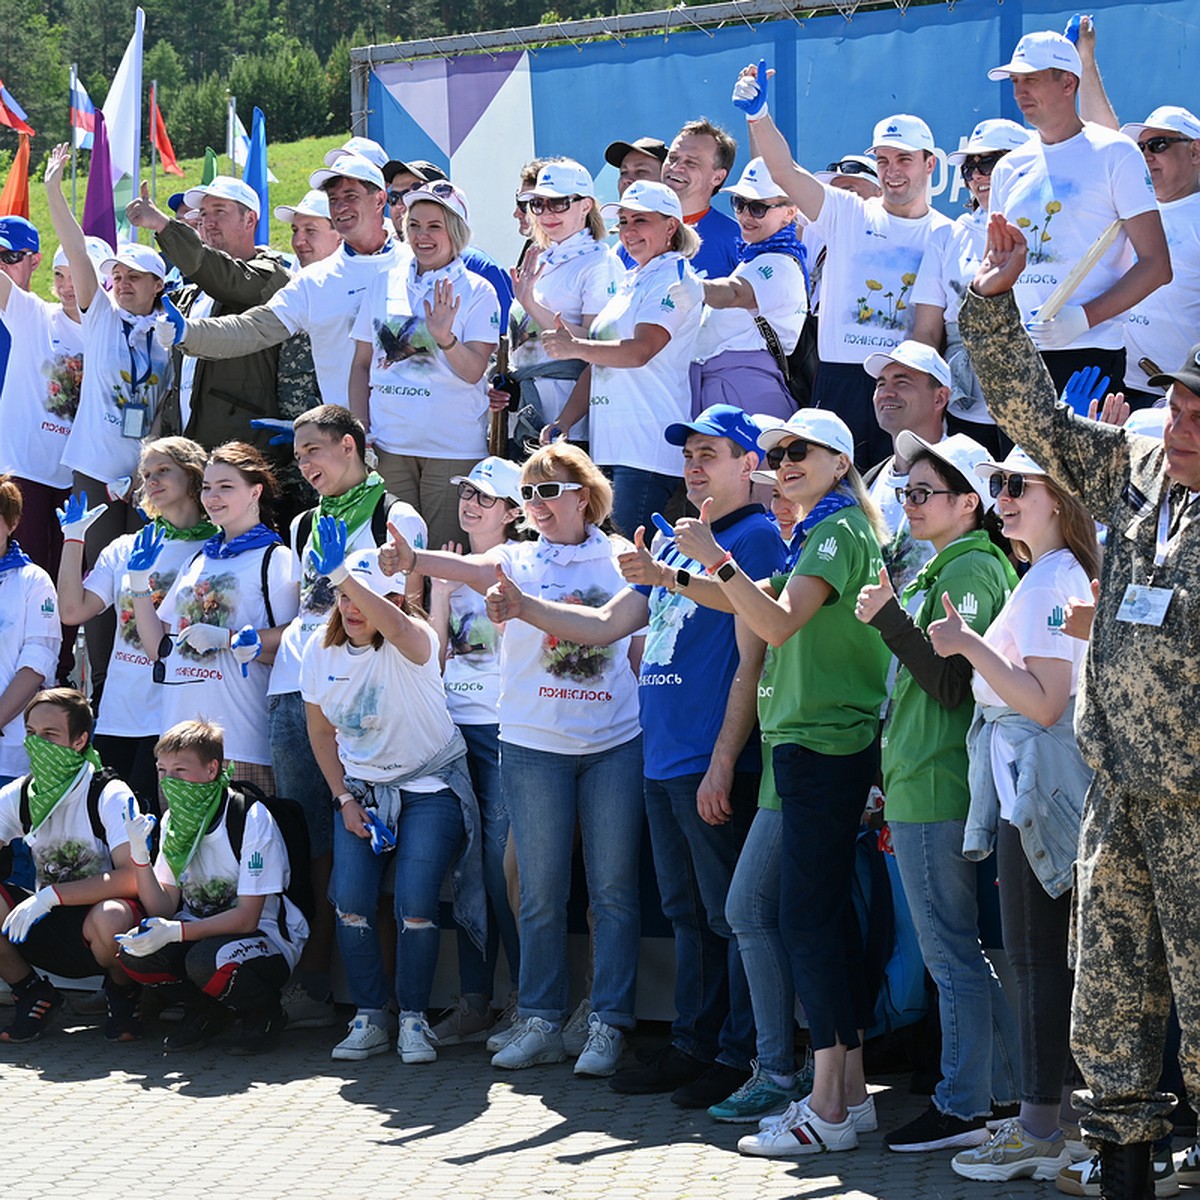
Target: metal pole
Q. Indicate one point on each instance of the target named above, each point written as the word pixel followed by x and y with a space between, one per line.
pixel 153 142
pixel 71 103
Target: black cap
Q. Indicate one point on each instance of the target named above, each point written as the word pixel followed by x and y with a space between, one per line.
pixel 418 167
pixel 1188 374
pixel 615 154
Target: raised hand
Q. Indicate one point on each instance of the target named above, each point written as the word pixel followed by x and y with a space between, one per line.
pixel 525 277
pixel 151 934
pixel 1084 387
pixel 750 91
pixel 395 553
pixel 1114 411
pixel 147 546
pixel 560 343
pixel 142 213
pixel 1004 259
pixel 873 597
pixel 694 537
pixel 246 646
pixel 638 566
pixel 951 635
pixel 56 164
pixel 139 829
pixel 1080 615
pixel 76 518
pixel 172 329
pixel 439 317
pixel 331 561
pixel 503 599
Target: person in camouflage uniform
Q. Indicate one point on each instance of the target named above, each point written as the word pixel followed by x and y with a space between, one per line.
pixel 1136 875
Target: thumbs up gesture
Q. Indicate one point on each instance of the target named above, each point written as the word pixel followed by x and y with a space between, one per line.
pixel 638 566
pixel 396 556
pixel 951 635
pixel 1080 614
pixel 503 599
pixel 142 213
pixel 560 342
pixel 694 537
pixel 873 597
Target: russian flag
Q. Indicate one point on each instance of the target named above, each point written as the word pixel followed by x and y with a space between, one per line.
pixel 11 113
pixel 83 115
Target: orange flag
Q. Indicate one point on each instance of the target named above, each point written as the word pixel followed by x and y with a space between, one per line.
pixel 162 143
pixel 14 200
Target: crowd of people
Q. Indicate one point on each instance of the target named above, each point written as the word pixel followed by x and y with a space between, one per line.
pixel 400 571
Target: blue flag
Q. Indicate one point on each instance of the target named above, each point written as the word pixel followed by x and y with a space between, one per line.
pixel 255 175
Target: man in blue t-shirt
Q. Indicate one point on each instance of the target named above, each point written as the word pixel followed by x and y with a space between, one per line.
pixel 697 164
pixel 698 693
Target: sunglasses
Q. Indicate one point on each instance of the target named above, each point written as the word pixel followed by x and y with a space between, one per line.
pixel 1158 145
pixel 850 167
pixel 467 491
pixel 10 258
pixel 756 208
pixel 796 452
pixel 920 495
pixel 522 204
pixel 395 195
pixel 980 164
pixel 550 490
pixel 554 204
pixel 1016 484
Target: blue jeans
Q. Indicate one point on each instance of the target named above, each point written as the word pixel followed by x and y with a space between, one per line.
pixel 547 793
pixel 637 494
pixel 694 864
pixel 941 888
pixel 752 910
pixel 476 971
pixel 297 775
pixel 428 832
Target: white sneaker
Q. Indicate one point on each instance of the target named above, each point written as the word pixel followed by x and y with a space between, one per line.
pixel 506 1023
pixel 415 1043
pixel 863 1115
pixel 305 1011
pixel 799 1132
pixel 602 1050
pixel 533 1041
pixel 364 1040
pixel 576 1031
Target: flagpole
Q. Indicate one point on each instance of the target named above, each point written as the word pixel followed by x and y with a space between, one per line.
pixel 230 117
pixel 71 106
pixel 153 143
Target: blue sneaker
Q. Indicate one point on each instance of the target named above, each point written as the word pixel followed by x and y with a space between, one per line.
pixel 760 1096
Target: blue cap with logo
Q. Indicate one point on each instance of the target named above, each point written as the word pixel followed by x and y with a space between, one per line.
pixel 718 420
pixel 16 233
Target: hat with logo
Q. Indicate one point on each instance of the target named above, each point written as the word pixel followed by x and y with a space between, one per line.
pixel 557 180
pixel 1168 116
pixel 910 354
pixel 98 251
pixel 756 183
pixel 443 192
pixel 1016 462
pixel 364 566
pixel 348 166
pixel 496 477
pixel 718 420
pixel 1040 52
pixel 645 195
pixel 817 425
pixel 1188 374
pixel 861 167
pixel 962 453
pixel 16 233
pixel 902 131
pixel 363 147
pixel 314 204
pixel 988 136
pixel 224 187
pixel 615 154
pixel 136 257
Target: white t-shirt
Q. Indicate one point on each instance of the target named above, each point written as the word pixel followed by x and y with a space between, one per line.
pixel 472 672
pixel 1064 196
pixel 951 260
pixel 202 307
pixel 64 846
pixel 1164 326
pixel 630 408
pixel 214 879
pixel 390 714
pixel 778 285
pixel 131 703
pixel 871 265
pixel 554 694
pixel 30 636
pixel 323 300
pixel 318 597
pixel 41 388
pixel 226 592
pixel 904 554
pixel 116 384
pixel 419 405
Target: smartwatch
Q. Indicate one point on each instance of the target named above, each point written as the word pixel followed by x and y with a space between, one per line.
pixel 682 577
pixel 726 571
pixel 339 801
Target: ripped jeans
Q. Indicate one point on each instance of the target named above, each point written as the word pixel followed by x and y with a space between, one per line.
pixel 428 835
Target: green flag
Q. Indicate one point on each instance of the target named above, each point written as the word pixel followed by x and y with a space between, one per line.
pixel 210 166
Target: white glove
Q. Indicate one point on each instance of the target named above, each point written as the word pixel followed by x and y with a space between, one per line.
pixel 28 913
pixel 204 639
pixel 139 829
pixel 1059 332
pixel 119 489
pixel 152 934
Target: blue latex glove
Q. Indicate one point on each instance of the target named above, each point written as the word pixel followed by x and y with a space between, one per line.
pixel 331 561
pixel 1083 387
pixel 147 546
pixel 76 518
pixel 28 913
pixel 382 838
pixel 173 328
pixel 1071 33
pixel 139 829
pixel 286 434
pixel 246 646
pixel 664 526
pixel 750 93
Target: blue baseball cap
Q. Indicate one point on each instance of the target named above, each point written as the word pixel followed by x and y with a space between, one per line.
pixel 176 200
pixel 16 233
pixel 718 420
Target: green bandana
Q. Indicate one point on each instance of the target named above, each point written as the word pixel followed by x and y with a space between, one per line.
pixel 53 770
pixel 355 507
pixel 193 533
pixel 192 807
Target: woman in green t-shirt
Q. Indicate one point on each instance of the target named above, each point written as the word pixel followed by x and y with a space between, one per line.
pixel 925 779
pixel 818 708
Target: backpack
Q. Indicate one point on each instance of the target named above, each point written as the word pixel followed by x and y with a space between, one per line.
pixel 800 367
pixel 289 816
pixel 379 523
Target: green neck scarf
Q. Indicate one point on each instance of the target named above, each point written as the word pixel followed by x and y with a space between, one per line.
pixel 193 533
pixel 191 808
pixel 355 507
pixel 975 541
pixel 53 770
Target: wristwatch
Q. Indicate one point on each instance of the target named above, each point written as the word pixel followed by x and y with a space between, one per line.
pixel 682 577
pixel 340 800
pixel 726 571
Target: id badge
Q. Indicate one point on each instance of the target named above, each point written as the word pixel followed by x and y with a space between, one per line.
pixel 133 421
pixel 1143 605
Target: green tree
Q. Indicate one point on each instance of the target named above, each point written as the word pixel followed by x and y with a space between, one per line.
pixel 197 117
pixel 288 84
pixel 35 72
pixel 162 63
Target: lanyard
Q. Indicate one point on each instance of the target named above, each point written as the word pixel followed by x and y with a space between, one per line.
pixel 135 379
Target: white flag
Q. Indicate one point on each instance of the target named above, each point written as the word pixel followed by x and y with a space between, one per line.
pixel 123 110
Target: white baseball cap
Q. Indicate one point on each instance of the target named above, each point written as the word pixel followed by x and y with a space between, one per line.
pixel 813 425
pixel 1016 461
pixel 495 476
pixel 224 187
pixel 756 183
pixel 314 204
pixel 646 195
pixel 364 566
pixel 902 131
pixel 99 251
pixel 562 179
pixel 363 147
pixel 443 192
pixel 910 354
pixel 348 166
pixel 863 167
pixel 988 136
pixel 1167 116
pixel 1040 52
pixel 136 257
pixel 963 453
pixel 1150 422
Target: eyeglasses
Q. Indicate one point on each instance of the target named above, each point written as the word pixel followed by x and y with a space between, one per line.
pixel 920 495
pixel 467 491
pixel 850 167
pixel 796 452
pixel 10 258
pixel 550 490
pixel 1158 145
pixel 982 164
pixel 1016 484
pixel 756 208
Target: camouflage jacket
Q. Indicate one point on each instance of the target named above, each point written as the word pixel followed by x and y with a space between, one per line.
pixel 1140 688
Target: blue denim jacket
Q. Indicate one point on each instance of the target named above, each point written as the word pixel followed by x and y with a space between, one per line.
pixel 1051 782
pixel 466 875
